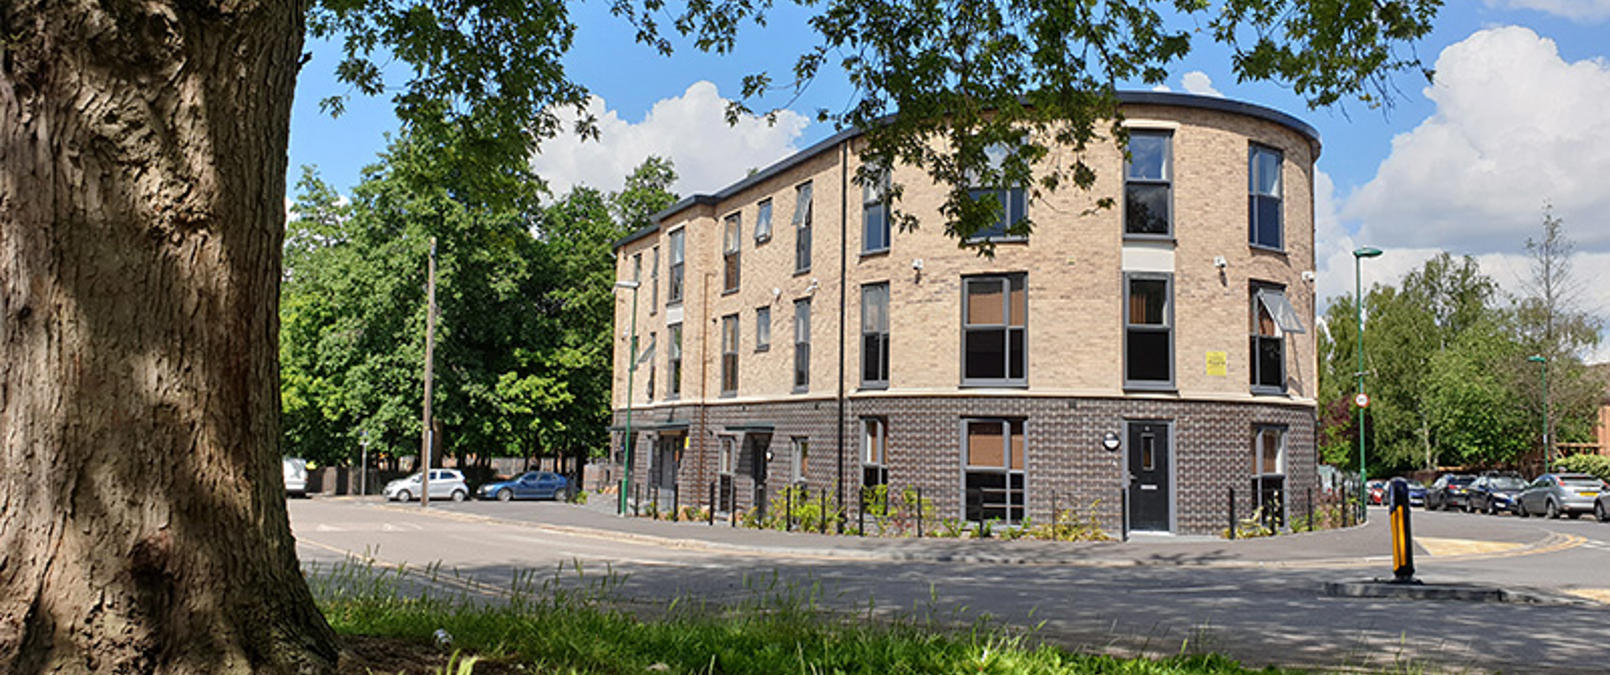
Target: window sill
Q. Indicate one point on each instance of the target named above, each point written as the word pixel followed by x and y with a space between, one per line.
pixel 874 253
pixel 729 394
pixel 1154 238
pixel 1151 387
pixel 994 384
pixel 762 240
pixel 874 386
pixel 802 271
pixel 1259 390
pixel 729 291
pixel 1005 239
pixel 1266 249
pixel 763 348
pixel 673 303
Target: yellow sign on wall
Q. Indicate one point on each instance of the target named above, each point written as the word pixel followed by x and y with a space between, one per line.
pixel 1218 363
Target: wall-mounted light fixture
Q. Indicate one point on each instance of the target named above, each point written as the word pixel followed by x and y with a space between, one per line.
pixel 1111 442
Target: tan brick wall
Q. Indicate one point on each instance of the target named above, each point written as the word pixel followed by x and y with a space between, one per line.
pixel 1073 263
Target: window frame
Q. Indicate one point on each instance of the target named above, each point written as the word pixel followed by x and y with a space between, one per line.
pixel 677 272
pixel 673 366
pixel 1277 478
pixel 654 281
pixel 732 233
pixel 729 355
pixel 763 214
pixel 1004 197
pixel 1167 181
pixel 803 212
pixel 799 450
pixel 1006 328
pixel 869 467
pixel 1256 339
pixel 763 328
pixel 1253 151
pixel 802 345
pixel 880 333
pixel 652 345
pixel 1010 427
pixel 875 194
pixel 1171 384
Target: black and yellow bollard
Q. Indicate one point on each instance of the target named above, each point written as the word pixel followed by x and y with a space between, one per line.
pixel 1402 535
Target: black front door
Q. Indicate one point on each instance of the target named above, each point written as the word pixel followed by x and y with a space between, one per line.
pixel 1150 491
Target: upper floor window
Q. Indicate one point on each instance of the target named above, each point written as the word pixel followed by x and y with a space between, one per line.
pixel 1263 197
pixel 763 221
pixel 674 293
pixel 1148 184
pixel 762 329
pixel 994 330
pixel 1013 205
pixel 732 236
pixel 875 335
pixel 673 353
pixel 648 356
pixel 802 228
pixel 802 344
pixel 637 267
pixel 1272 317
pixel 1148 331
pixel 654 281
pixel 875 214
pixel 729 354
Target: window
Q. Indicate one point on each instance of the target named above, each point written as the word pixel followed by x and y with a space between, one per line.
pixel 1263 197
pixel 674 295
pixel 994 318
pixel 1269 473
pixel 1014 207
pixel 732 235
pixel 637 267
pixel 648 355
pixel 762 329
pixel 763 221
pixel 673 350
pixel 726 462
pixel 802 344
pixel 1148 195
pixel 875 335
pixel 1148 332
pixel 874 448
pixel 802 228
pixel 1272 317
pixel 729 354
pixel 799 454
pixel 875 214
pixel 993 481
pixel 654 282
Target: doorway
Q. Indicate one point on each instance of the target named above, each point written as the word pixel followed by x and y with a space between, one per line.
pixel 1151 476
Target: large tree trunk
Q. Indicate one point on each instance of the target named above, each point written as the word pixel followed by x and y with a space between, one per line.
pixel 142 173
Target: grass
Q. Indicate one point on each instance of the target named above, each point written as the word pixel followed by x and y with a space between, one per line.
pixel 571 622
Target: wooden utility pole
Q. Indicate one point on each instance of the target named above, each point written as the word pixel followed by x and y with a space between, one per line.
pixel 430 360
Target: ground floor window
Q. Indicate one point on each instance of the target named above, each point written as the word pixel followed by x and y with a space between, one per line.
pixel 993 480
pixel 874 448
pixel 799 452
pixel 727 454
pixel 1269 473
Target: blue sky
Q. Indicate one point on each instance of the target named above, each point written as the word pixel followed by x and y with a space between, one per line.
pixel 1520 115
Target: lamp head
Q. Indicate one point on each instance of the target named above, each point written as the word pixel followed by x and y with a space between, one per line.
pixel 626 284
pixel 1537 359
pixel 1366 252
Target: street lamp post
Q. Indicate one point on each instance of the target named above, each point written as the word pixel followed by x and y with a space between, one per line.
pixel 1359 254
pixel 631 369
pixel 1548 451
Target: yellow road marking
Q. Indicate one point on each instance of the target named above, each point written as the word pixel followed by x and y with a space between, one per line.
pixel 1440 547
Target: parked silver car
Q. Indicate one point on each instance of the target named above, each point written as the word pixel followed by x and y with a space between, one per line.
pixel 1552 494
pixel 444 484
pixel 295 476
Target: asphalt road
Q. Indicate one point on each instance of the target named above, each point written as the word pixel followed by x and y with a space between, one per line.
pixel 1236 598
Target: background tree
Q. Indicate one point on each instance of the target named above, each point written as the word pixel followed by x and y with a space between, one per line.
pixel 1554 324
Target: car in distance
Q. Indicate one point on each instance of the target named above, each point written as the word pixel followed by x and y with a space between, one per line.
pixel 1448 491
pixel 1377 491
pixel 1601 507
pixel 295 470
pixel 1553 494
pixel 1494 493
pixel 1417 491
pixel 444 484
pixel 531 485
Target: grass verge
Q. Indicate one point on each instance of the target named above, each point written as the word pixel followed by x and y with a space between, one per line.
pixel 400 620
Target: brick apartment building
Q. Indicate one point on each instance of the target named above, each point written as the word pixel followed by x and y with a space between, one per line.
pixel 1158 353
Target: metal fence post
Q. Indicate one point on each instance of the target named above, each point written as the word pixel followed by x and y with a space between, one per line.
pixel 860 513
pixel 824 510
pixel 710 518
pixel 1232 512
pixel 1310 503
pixel 788 509
pixel 919 511
pixel 1123 513
pixel 637 498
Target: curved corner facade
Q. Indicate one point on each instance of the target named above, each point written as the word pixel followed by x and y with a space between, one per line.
pixel 1137 363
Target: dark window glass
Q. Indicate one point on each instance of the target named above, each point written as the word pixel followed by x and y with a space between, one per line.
pixel 875 335
pixel 802 344
pixel 674 294
pixel 994 335
pixel 1263 196
pixel 875 215
pixel 1148 332
pixel 802 228
pixel 729 354
pixel 1148 184
pixel 993 479
pixel 732 237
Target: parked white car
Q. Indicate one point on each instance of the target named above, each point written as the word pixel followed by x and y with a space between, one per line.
pixel 444 484
pixel 295 476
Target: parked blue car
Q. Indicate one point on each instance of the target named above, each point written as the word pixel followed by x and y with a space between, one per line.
pixel 531 485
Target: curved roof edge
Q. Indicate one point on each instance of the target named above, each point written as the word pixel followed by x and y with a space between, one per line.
pixel 1167 98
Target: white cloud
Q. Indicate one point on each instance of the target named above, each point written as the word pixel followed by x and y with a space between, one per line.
pixel 1162 87
pixel 1198 82
pixel 691 130
pixel 1515 127
pixel 1584 11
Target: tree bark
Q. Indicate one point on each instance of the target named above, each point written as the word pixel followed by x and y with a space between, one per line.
pixel 142 173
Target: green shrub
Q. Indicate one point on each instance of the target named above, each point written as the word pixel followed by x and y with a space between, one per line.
pixel 1598 465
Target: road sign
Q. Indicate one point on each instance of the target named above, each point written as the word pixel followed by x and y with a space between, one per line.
pixel 1362 400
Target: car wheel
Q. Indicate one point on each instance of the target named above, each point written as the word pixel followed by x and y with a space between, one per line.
pixel 458 495
pixel 405 496
pixel 1552 510
pixel 505 495
pixel 1520 508
pixel 1492 509
pixel 1600 512
pixel 1466 506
